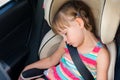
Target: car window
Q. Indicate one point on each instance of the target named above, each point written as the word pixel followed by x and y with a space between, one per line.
pixel 6 5
pixel 3 2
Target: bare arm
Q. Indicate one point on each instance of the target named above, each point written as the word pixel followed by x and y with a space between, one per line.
pixel 103 62
pixel 49 61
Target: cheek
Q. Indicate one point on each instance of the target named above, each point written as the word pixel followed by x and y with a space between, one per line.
pixel 78 34
pixel 78 38
pixel 75 36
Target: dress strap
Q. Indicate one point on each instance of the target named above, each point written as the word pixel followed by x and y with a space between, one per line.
pixel 97 47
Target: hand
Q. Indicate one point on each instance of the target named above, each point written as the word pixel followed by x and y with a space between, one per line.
pixel 40 79
pixel 27 67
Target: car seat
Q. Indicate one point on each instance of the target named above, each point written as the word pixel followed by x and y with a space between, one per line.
pixel 103 11
pixel 109 25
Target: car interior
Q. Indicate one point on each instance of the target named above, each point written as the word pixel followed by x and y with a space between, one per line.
pixel 26 35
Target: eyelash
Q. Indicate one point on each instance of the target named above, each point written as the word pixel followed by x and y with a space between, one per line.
pixel 65 34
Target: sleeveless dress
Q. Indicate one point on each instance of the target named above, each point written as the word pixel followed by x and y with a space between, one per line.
pixel 66 70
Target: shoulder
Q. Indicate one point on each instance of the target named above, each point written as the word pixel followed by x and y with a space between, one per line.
pixel 103 55
pixel 60 50
pixel 103 52
pixel 62 46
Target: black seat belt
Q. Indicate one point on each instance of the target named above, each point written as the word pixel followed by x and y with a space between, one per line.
pixel 79 64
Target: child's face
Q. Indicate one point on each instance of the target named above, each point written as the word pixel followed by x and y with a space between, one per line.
pixel 73 34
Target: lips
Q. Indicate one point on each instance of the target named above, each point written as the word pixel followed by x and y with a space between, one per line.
pixel 70 44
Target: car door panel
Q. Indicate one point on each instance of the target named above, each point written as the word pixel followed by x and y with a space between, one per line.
pixel 15 26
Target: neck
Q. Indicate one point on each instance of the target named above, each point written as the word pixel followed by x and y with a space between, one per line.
pixel 88 43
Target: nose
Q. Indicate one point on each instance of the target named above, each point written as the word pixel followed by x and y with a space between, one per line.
pixel 65 39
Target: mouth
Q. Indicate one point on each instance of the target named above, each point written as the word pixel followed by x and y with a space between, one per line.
pixel 70 44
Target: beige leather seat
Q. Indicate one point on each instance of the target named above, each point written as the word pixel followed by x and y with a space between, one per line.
pixel 107 17
pixel 109 24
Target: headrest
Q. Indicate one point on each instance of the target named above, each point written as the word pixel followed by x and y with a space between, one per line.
pixel 51 7
pixel 110 20
pixel 106 17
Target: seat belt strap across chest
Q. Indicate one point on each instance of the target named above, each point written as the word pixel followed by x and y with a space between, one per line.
pixel 86 74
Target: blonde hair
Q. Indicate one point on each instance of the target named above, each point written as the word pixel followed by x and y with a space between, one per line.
pixel 73 9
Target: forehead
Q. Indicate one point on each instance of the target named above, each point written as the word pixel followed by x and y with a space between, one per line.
pixel 62 21
pixel 65 24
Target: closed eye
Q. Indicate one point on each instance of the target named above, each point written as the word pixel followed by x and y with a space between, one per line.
pixel 65 34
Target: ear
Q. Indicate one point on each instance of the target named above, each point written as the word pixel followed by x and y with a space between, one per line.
pixel 80 22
